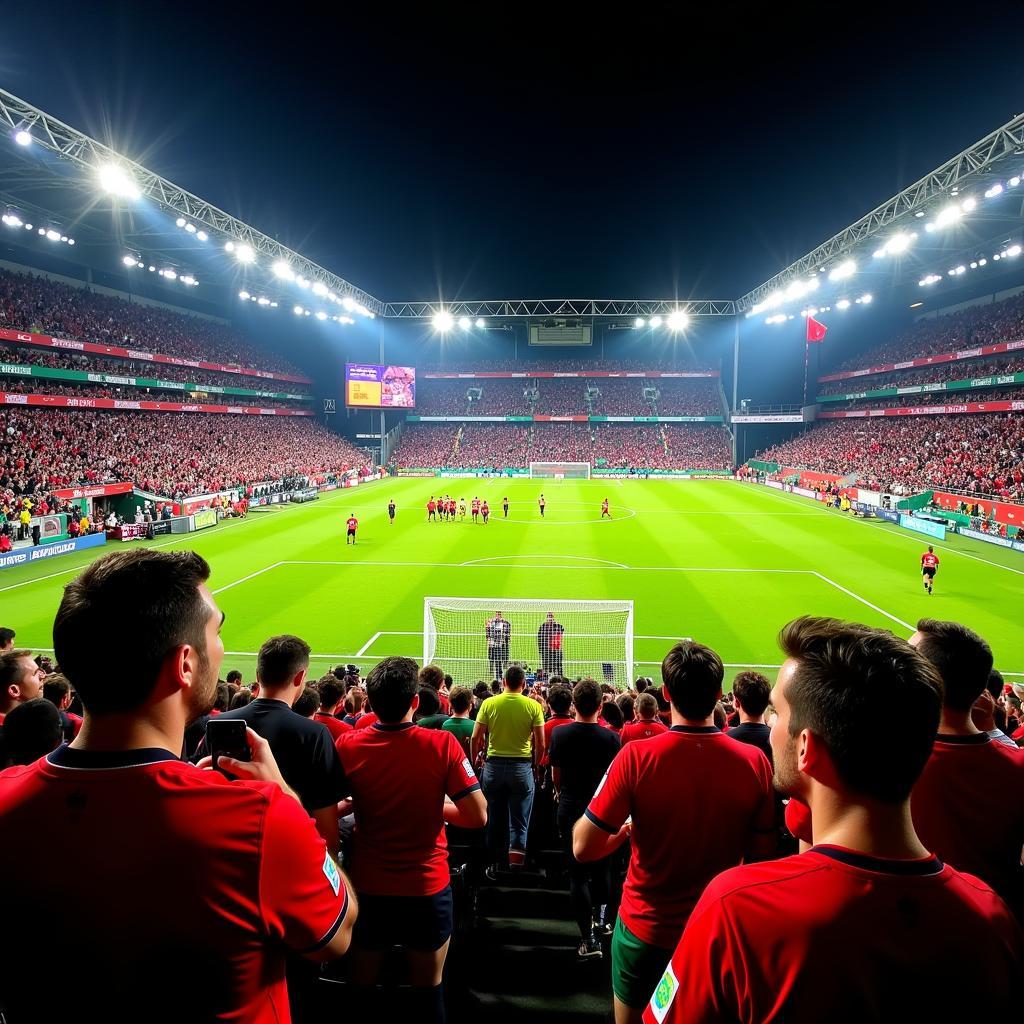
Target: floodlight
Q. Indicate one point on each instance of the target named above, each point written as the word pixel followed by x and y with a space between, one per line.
pixel 443 321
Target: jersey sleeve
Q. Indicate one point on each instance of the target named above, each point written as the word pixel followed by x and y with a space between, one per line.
pixel 303 899
pixel 610 805
pixel 704 978
pixel 461 779
pixel 538 715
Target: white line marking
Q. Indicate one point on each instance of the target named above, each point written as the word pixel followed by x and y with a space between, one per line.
pixel 586 568
pixel 234 583
pixel 881 525
pixel 857 597
pixel 369 643
pixel 577 558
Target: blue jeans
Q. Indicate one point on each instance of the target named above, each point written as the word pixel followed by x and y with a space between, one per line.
pixel 508 786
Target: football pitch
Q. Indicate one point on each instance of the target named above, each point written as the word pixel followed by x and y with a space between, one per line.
pixel 722 562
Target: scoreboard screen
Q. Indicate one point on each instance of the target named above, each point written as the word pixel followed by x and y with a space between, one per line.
pixel 369 386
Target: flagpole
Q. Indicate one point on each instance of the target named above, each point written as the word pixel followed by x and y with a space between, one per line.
pixel 807 358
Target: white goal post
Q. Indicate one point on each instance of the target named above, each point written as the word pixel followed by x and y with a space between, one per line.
pixel 559 470
pixel 464 637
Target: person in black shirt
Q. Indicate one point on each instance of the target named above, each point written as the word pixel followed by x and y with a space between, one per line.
pixel 302 748
pixel 550 638
pixel 580 755
pixel 498 632
pixel 751 693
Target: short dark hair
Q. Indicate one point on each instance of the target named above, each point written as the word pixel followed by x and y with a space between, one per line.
pixel 142 603
pixel 627 706
pixel 752 692
pixel 847 680
pixel 995 684
pixel 307 703
pixel 961 657
pixel 31 731
pixel 331 691
pixel 612 714
pixel 515 677
pixel 586 696
pixel 429 702
pixel 481 689
pixel 234 676
pixel 391 686
pixel 647 706
pixel 240 699
pixel 281 659
pixel 560 699
pixel 432 676
pixel 448 681
pixel 10 670
pixel 56 688
pixel 6 636
pixel 461 699
pixel 693 674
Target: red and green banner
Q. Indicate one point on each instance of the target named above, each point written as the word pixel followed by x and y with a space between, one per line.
pixel 72 345
pixel 943 357
pixel 64 402
pixel 925 410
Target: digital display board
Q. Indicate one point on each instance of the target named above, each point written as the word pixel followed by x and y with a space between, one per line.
pixel 368 386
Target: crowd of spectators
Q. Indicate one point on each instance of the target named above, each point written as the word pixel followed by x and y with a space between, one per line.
pixel 1003 394
pixel 679 362
pixel 24 355
pixel 966 369
pixel 491 445
pixel 330 836
pixel 73 389
pixel 171 454
pixel 42 306
pixel 971 454
pixel 568 397
pixel 967 328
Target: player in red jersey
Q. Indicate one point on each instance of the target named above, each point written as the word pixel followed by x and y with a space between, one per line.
pixel 406 782
pixel 604 509
pixel 867 925
pixel 929 563
pixel 476 508
pixel 727 799
pixel 485 510
pixel 969 802
pixel 243 875
pixel 451 510
pixel 431 509
pixel 351 525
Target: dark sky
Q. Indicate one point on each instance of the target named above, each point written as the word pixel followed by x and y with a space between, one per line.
pixel 512 150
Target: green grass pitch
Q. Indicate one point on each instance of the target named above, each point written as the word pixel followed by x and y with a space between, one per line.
pixel 725 563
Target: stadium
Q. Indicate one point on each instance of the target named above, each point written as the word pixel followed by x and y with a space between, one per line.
pixel 612 515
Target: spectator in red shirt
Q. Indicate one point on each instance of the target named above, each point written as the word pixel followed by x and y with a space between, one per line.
pixel 867 926
pixel 692 802
pixel 233 871
pixel 560 702
pixel 968 805
pixel 647 724
pixel 332 696
pixel 406 783
pixel 57 690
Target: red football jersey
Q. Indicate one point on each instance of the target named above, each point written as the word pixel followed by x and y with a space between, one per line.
pixel 929 560
pixel 968 807
pixel 352 522
pixel 833 935
pixel 193 888
pixel 399 775
pixel 642 730
pixel 367 719
pixel 335 726
pixel 683 834
pixel 431 507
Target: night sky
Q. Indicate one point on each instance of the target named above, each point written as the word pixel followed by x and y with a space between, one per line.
pixel 492 151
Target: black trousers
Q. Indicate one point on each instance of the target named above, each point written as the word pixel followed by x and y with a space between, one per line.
pixel 589 884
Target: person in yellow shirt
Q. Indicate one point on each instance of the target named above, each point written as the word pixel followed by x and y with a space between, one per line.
pixel 24 518
pixel 83 525
pixel 511 728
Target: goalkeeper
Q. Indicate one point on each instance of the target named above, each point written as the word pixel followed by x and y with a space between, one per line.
pixel 549 644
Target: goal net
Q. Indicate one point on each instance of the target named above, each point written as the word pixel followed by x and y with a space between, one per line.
pixel 560 470
pixel 464 636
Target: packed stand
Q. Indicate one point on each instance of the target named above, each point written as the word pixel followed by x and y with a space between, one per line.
pixel 678 363
pixel 967 369
pixel 25 386
pixel 41 306
pixel 968 328
pixel 171 454
pixel 1003 394
pixel 968 454
pixel 491 445
pixel 289 817
pixel 425 445
pixel 29 356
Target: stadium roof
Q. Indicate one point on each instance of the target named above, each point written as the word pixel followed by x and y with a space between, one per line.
pixel 965 212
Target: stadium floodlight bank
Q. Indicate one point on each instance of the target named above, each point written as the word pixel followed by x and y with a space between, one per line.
pixel 560 470
pixel 597 641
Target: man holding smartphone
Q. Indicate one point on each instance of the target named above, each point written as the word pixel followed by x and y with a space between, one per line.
pixel 221 877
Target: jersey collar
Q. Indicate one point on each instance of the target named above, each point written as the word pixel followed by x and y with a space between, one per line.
pixel 392 726
pixel 100 760
pixel 974 739
pixel 920 868
pixel 695 729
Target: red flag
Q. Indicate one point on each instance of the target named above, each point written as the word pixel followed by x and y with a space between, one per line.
pixel 816 330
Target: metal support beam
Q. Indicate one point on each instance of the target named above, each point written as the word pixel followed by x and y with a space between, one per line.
pixel 570 308
pixel 73 145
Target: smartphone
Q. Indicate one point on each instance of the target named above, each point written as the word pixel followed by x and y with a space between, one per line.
pixel 227 738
